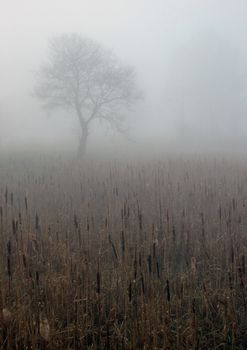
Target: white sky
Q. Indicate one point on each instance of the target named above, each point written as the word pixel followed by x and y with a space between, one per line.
pixel 144 33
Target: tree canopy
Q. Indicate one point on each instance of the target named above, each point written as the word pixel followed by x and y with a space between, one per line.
pixel 82 76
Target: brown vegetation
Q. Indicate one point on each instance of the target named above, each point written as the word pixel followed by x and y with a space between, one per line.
pixel 118 255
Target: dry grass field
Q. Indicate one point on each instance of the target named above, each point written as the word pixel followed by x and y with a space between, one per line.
pixel 123 255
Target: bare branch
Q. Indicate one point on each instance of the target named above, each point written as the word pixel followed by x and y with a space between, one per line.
pixel 82 76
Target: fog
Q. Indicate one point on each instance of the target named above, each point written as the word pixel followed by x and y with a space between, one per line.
pixel 190 60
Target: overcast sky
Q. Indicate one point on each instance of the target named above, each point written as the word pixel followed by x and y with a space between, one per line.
pixel 147 34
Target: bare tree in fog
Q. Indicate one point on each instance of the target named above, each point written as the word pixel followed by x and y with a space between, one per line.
pixel 82 76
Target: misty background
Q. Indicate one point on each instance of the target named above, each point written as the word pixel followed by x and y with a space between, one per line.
pixel 190 59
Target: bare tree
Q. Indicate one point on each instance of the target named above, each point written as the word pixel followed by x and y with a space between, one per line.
pixel 82 76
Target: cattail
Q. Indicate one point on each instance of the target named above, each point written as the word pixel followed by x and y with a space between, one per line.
pixel 193 265
pixel 140 259
pixel 123 242
pixel 230 280
pixel 135 265
pixel 168 296
pixel 168 220
pixel 142 284
pixel 37 277
pixel 26 206
pixel 24 260
pixel 149 264
pixel 113 247
pixel 241 277
pixel 36 222
pixel 98 282
pixel 124 209
pixel 130 292
pixel 203 224
pixel 20 219
pixel 9 247
pixel 239 219
pixel 14 227
pixel 92 221
pixel 140 222
pixel 232 254
pixel 6 195
pixel 182 290
pixel 174 233
pixel 154 250
pixel 79 236
pixel 193 306
pixel 76 222
pixel 158 269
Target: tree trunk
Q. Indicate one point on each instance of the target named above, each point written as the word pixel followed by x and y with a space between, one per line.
pixel 84 133
pixel 83 143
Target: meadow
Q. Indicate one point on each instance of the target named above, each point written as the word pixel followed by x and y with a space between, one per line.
pixel 104 254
